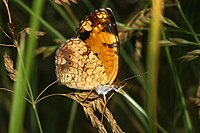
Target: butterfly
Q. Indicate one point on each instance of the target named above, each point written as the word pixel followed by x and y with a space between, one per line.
pixel 90 60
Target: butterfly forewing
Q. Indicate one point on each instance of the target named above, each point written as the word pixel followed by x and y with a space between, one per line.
pixel 98 30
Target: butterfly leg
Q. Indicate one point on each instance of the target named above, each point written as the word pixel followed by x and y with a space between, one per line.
pixel 87 96
pixel 119 89
pixel 105 104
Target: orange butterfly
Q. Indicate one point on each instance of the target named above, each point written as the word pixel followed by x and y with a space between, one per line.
pixel 90 60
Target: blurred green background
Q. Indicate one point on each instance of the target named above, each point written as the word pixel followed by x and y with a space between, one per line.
pixel 178 78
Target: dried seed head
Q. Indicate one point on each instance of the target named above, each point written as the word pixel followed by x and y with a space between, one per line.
pixel 9 66
pixel 95 103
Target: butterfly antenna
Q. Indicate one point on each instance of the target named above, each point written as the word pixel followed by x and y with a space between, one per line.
pixel 126 79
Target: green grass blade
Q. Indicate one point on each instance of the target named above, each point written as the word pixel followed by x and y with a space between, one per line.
pixel 72 117
pixel 64 16
pixel 19 104
pixel 188 123
pixel 17 115
pixel 153 52
pixel 186 21
pixel 89 5
pixel 52 31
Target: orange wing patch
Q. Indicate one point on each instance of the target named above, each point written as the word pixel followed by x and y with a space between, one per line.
pixel 99 32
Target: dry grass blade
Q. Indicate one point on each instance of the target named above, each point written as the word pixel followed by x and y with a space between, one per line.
pixel 60 2
pixel 9 66
pixel 90 105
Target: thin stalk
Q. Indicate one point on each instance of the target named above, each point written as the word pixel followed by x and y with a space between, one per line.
pixel 31 46
pixel 186 21
pixel 24 70
pixel 64 16
pixel 178 86
pixel 19 104
pixel 71 14
pixel 72 117
pixel 153 53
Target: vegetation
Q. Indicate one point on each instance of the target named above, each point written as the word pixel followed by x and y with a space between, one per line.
pixel 159 52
